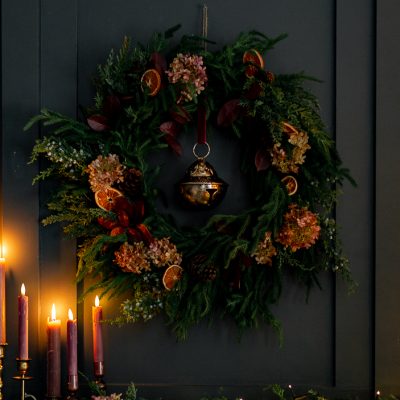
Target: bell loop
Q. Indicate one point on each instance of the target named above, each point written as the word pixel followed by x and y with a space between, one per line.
pixel 199 157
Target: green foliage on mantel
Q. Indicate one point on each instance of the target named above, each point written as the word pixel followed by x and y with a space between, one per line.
pixel 274 391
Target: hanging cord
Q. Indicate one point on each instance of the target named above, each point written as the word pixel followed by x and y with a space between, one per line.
pixel 204 26
pixel 201 109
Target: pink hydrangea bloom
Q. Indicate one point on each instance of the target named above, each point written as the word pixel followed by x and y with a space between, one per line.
pixel 104 171
pixel 300 229
pixel 189 74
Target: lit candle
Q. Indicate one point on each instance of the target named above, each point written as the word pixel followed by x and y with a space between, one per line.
pixel 23 325
pixel 53 355
pixel 72 351
pixel 2 300
pixel 98 358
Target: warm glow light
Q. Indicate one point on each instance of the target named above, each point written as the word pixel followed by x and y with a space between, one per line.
pixel 53 312
pixel 378 393
pixel 70 315
pixel 97 301
pixel 23 290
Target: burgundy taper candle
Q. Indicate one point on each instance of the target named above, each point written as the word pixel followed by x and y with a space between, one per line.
pixel 53 355
pixel 72 352
pixel 23 325
pixel 98 357
pixel 2 300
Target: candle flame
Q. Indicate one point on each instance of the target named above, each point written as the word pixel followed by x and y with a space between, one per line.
pixel 23 289
pixel 70 315
pixel 3 250
pixel 53 312
pixel 97 301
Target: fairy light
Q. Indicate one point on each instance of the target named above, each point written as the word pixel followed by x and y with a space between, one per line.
pixel 291 391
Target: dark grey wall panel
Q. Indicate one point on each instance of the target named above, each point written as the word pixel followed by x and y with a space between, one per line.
pixel 387 193
pixel 355 142
pixel 20 99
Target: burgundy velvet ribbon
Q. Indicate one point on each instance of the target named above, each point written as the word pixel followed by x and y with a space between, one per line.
pixel 201 125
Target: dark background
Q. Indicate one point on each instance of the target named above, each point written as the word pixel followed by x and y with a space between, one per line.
pixel 337 342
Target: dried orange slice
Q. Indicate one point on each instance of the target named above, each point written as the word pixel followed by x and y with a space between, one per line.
pixel 287 128
pixel 253 57
pixel 151 81
pixel 106 198
pixel 172 275
pixel 251 70
pixel 291 184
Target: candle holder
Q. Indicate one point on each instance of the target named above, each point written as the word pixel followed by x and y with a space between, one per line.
pixel 72 395
pixel 2 355
pixel 72 387
pixel 99 374
pixel 22 367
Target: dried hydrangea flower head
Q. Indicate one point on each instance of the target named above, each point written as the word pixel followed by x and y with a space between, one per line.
pixel 287 162
pixel 132 258
pixel 105 171
pixel 162 253
pixel 300 229
pixel 265 250
pixel 188 71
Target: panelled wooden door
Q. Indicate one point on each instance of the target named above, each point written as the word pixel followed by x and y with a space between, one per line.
pixel 50 50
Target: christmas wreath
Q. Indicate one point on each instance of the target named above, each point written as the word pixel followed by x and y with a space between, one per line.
pixel 107 197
